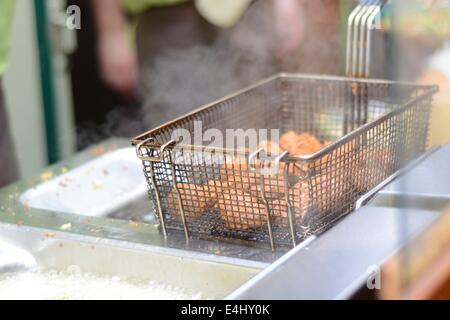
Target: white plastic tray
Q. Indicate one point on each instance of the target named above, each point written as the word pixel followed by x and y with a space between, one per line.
pixel 97 188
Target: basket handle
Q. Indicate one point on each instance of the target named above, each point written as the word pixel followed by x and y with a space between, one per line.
pixel 359 37
pixel 163 148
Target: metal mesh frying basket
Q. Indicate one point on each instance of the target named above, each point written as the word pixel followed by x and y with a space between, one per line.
pixel 372 128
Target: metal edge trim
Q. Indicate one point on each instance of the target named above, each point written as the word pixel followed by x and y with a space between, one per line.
pixel 155 249
pixel 368 196
pixel 260 276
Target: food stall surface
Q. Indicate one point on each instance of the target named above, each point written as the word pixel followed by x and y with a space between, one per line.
pixel 120 251
pixel 98 230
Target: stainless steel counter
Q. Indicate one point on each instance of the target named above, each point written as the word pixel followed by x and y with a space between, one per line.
pixel 430 178
pixel 96 243
pixel 339 263
pixel 332 266
pixel 16 210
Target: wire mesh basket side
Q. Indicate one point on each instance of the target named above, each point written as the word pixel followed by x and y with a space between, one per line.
pixel 371 129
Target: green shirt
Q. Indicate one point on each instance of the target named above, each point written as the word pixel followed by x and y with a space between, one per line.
pixel 6 17
pixel 137 6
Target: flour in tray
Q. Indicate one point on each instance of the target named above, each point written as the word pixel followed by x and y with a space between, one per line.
pixel 54 285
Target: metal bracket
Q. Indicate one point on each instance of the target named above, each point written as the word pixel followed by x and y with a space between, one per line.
pixel 276 160
pixel 180 201
pixel 263 190
pixel 163 148
pixel 251 159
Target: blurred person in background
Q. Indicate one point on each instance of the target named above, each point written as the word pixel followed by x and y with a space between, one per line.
pixel 107 102
pixel 94 101
pixel 185 56
pixel 270 36
pixel 182 58
pixel 9 171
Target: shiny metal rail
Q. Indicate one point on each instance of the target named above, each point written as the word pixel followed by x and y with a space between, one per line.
pixel 361 23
